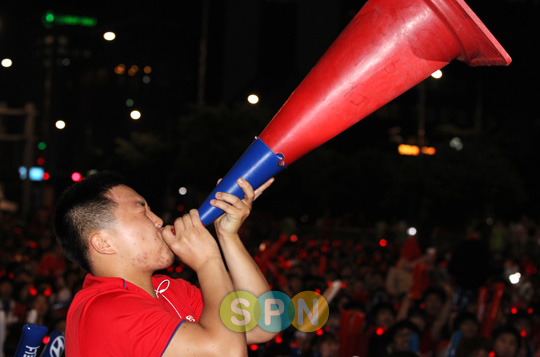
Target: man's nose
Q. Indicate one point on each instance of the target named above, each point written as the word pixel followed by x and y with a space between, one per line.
pixel 157 220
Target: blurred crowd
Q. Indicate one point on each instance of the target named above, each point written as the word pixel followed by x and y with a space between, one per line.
pixel 442 293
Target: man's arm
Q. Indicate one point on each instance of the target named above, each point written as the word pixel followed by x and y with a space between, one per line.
pixel 196 247
pixel 244 272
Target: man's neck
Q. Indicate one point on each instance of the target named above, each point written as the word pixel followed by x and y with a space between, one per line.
pixel 142 280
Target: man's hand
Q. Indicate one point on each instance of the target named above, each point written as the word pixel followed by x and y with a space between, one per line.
pixel 191 241
pixel 236 210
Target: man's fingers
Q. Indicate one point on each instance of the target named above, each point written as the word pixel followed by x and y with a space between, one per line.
pixel 178 225
pixel 249 194
pixel 194 217
pixel 189 219
pixel 263 187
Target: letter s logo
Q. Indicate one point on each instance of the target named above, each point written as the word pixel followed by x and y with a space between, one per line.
pixel 236 309
pixel 240 311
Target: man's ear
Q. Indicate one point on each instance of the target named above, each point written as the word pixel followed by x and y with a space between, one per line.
pixel 100 243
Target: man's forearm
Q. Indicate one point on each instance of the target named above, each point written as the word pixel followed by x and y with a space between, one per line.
pixel 245 273
pixel 215 284
pixel 246 276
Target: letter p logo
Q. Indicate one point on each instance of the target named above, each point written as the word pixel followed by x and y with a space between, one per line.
pixel 277 311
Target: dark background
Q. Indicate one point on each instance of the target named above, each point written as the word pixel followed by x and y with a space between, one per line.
pixel 196 122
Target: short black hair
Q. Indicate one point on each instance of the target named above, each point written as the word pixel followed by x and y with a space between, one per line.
pixel 435 290
pixel 399 326
pixel 465 316
pixel 82 208
pixel 382 306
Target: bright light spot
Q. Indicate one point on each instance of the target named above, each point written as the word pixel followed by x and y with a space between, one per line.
pixel 109 36
pixel 120 69
pixel 76 177
pixel 133 70
pixel 49 16
pixel 6 62
pixel 36 173
pixel 437 74
pixel 411 231
pixel 253 99
pixel 147 69
pixel 383 242
pixel 135 115
pixel 405 149
pixel 514 278
pixel 182 191
pixel 428 150
pixel 456 143
pixel 60 124
pixel 22 172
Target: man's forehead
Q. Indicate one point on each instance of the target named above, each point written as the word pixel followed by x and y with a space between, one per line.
pixel 123 193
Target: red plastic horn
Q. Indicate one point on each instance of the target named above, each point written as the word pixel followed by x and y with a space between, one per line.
pixel 388 48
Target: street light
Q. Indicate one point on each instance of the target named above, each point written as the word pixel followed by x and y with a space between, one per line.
pixel 60 124
pixel 109 36
pixel 253 99
pixel 6 62
pixel 437 74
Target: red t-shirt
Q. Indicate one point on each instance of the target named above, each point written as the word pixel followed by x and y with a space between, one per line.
pixel 113 317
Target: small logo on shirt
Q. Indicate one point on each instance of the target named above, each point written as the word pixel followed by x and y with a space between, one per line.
pixel 190 318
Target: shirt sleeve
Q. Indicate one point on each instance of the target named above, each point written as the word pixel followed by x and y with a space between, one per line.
pixel 119 324
pixel 194 296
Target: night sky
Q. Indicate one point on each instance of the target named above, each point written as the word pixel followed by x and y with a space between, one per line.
pixel 263 46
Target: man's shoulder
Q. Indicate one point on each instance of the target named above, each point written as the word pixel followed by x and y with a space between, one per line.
pixel 120 318
pixel 106 294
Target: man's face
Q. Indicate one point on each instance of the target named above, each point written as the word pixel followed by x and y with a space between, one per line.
pixel 433 304
pixel 385 318
pixel 401 341
pixel 505 345
pixel 469 328
pixel 137 232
